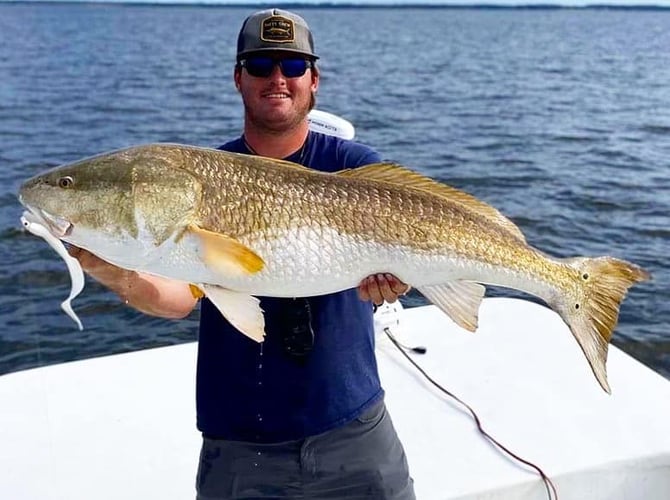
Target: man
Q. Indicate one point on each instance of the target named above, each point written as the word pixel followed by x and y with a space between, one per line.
pixel 300 415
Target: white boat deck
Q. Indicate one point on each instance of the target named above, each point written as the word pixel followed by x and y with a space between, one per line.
pixel 124 426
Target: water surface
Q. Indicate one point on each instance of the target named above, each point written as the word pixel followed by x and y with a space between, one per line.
pixel 560 118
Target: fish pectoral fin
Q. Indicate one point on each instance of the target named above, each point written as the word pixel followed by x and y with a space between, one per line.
pixel 459 300
pixel 225 254
pixel 242 310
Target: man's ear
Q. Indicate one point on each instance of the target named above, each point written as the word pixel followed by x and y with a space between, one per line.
pixel 315 82
pixel 237 74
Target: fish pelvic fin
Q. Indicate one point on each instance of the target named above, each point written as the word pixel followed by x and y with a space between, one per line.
pixel 242 310
pixel 460 300
pixel 196 292
pixel 399 175
pixel 594 313
pixel 225 254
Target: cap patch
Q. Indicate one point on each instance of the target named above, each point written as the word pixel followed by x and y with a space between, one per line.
pixel 277 29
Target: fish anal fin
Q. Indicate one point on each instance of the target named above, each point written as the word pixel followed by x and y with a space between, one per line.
pixel 242 310
pixel 394 173
pixel 460 300
pixel 226 255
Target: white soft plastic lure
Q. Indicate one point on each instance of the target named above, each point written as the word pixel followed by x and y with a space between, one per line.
pixel 34 225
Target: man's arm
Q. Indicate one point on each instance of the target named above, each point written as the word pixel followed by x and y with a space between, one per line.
pixel 149 294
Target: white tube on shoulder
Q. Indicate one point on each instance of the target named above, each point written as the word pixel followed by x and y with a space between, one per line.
pixel 328 123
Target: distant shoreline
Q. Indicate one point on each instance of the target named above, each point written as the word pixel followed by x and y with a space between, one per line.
pixel 346 5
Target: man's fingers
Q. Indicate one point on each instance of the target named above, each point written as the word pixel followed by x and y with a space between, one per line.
pixel 398 287
pixel 368 289
pixel 381 287
pixel 74 251
pixel 385 290
pixel 374 290
pixel 363 292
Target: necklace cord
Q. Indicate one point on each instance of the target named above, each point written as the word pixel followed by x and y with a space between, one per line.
pixel 300 152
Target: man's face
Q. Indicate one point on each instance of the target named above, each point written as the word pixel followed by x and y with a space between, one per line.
pixel 275 102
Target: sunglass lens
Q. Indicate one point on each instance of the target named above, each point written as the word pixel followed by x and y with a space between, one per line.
pixel 259 66
pixel 293 68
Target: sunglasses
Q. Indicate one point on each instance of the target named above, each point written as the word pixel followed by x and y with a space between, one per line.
pixel 262 67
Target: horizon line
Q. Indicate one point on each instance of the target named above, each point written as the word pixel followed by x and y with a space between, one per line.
pixel 556 5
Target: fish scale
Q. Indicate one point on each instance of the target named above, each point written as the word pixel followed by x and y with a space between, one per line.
pixel 240 226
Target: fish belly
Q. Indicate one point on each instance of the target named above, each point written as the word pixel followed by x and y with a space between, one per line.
pixel 300 262
pixel 305 261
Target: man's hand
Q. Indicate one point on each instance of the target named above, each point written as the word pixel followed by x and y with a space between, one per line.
pixel 382 287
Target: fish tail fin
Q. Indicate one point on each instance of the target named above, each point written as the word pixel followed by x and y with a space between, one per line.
pixel 593 314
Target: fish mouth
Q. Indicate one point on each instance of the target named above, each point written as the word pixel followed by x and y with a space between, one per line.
pixel 57 226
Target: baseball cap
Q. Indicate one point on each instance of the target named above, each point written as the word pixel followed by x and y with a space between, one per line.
pixel 275 29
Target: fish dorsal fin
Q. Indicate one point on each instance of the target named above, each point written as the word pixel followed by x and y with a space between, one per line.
pixel 399 175
pixel 274 162
pixel 226 255
pixel 290 164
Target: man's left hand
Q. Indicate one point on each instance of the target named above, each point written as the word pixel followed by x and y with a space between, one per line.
pixel 382 287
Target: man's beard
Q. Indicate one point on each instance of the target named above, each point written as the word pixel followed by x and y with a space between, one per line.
pixel 288 123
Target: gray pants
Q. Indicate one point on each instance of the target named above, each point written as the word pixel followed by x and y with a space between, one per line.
pixel 363 460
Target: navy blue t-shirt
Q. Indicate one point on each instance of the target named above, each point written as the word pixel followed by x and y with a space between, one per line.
pixel 257 392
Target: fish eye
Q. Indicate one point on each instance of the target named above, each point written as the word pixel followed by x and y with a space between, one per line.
pixel 66 182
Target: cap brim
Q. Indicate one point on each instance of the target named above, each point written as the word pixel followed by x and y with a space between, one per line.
pixel 266 50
